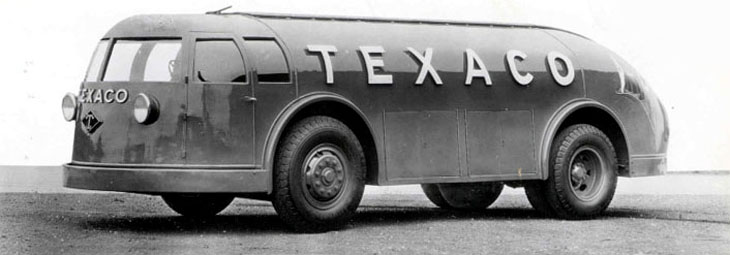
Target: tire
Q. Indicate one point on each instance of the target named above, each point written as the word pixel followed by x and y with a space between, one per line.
pixel 434 194
pixel 318 175
pixel 470 196
pixel 583 175
pixel 197 205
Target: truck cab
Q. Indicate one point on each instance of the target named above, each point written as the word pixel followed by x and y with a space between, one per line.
pixel 177 96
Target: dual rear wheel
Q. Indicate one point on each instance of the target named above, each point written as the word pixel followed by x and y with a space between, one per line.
pixel 581 182
pixel 582 177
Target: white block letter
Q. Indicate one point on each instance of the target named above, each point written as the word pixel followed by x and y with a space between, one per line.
pixel 371 64
pixel 566 80
pixel 473 59
pixel 511 56
pixel 426 67
pixel 325 51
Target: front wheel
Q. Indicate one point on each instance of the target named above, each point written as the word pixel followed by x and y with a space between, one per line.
pixel 470 196
pixel 433 193
pixel 583 177
pixel 197 205
pixel 318 175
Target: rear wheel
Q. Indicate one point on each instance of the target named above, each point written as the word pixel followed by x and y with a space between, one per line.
pixel 583 176
pixel 477 195
pixel 318 175
pixel 197 205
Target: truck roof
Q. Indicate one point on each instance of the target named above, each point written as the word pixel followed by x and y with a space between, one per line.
pixel 174 25
pixel 394 20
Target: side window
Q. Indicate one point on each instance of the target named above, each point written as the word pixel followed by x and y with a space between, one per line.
pixel 270 61
pixel 218 61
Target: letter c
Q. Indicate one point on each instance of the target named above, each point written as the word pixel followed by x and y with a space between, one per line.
pixel 511 56
pixel 108 98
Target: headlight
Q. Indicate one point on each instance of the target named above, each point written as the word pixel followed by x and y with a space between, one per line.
pixel 146 109
pixel 68 106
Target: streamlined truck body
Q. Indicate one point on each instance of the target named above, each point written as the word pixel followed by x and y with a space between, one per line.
pixel 306 110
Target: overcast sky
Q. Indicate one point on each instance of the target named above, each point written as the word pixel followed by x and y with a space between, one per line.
pixel 681 48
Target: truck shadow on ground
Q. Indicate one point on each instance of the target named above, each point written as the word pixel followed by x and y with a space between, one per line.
pixel 369 216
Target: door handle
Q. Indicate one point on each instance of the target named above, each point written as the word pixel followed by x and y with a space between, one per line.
pixel 249 99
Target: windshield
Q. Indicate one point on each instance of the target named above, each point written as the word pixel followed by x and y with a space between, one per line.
pixel 144 60
pixel 92 74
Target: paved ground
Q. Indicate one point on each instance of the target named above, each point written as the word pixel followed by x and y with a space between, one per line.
pixel 673 214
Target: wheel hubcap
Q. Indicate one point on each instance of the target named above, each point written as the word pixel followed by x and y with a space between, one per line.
pixel 324 175
pixel 586 173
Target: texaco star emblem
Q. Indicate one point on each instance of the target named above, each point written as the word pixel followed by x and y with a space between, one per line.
pixel 90 122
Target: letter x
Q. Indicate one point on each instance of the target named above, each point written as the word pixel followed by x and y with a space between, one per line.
pixel 426 67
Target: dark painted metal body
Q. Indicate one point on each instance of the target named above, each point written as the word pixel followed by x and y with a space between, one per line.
pixel 421 132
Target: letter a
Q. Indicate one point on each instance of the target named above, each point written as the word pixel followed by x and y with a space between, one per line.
pixel 473 59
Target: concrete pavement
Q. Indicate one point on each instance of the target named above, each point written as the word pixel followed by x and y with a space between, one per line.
pixel 679 213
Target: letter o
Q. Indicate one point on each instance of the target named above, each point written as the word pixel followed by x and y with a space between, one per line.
pixel 566 80
pixel 121 96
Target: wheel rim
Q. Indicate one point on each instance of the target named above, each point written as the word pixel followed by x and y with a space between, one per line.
pixel 587 170
pixel 324 176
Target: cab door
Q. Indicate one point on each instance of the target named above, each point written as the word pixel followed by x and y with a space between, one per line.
pixel 273 82
pixel 220 103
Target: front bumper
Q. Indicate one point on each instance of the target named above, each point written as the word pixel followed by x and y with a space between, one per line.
pixel 129 178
